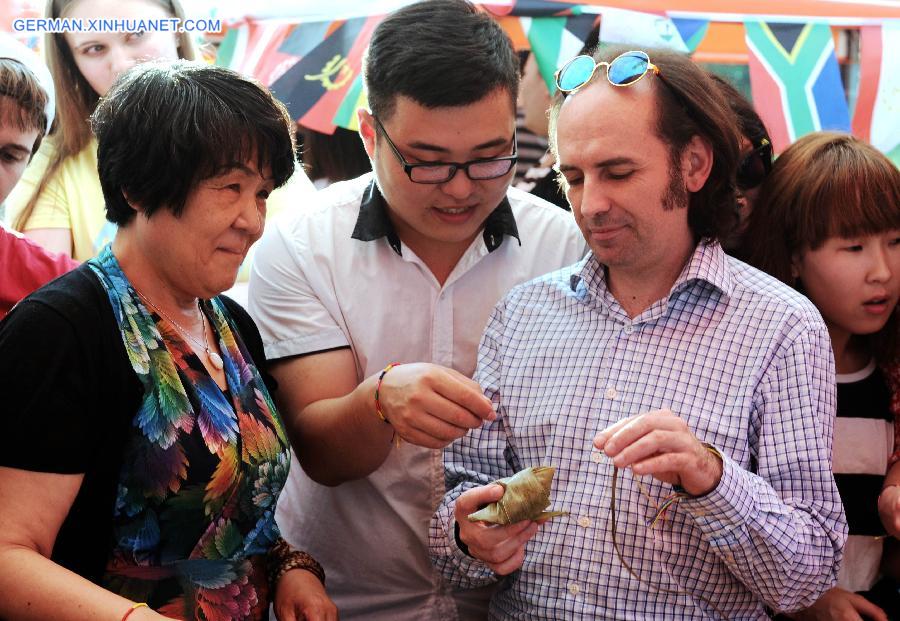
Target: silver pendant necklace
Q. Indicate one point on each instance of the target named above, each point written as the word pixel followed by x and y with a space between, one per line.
pixel 214 359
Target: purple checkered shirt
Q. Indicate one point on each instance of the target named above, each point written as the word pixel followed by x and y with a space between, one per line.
pixel 744 360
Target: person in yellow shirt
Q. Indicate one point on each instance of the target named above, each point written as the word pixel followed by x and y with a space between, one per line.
pixel 58 202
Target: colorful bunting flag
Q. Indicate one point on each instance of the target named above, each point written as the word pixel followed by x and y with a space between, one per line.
pixel 544 8
pixel 253 49
pixel 642 30
pixel 315 87
pixel 555 40
pixel 304 38
pixel 692 31
pixel 795 80
pixel 232 47
pixel 877 115
pixel 356 98
pixel 512 26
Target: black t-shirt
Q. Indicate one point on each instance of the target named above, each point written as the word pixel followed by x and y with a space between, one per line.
pixel 70 395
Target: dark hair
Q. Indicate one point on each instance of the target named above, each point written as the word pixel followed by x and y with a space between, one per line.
pixel 824 185
pixel 19 87
pixel 438 53
pixel 165 126
pixel 688 105
pixel 335 157
pixel 749 123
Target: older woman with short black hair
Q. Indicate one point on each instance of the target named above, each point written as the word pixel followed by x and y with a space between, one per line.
pixel 144 454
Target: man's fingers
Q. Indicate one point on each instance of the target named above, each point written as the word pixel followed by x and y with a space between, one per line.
pixel 511 540
pixel 660 464
pixel 432 421
pixel 510 545
pixel 431 407
pixel 501 547
pixel 509 565
pixel 867 609
pixel 618 436
pixel 419 438
pixel 450 412
pixel 431 427
pixel 654 442
pixel 473 499
pixel 601 439
pixel 465 393
pixel 440 423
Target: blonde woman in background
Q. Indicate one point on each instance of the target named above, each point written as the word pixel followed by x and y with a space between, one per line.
pixel 58 202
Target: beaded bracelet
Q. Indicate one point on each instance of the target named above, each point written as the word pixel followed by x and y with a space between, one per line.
pixel 133 608
pixel 282 558
pixel 378 409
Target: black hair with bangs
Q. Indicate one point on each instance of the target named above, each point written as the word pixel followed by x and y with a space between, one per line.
pixel 165 126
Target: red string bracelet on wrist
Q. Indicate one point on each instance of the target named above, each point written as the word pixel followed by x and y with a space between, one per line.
pixel 132 609
pixel 378 409
pixel 395 439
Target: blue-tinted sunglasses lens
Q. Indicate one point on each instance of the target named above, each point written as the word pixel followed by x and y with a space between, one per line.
pixel 575 73
pixel 628 68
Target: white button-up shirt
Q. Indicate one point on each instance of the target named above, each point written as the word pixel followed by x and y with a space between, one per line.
pixel 335 275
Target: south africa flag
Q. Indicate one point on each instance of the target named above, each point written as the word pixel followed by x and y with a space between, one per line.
pixel 795 80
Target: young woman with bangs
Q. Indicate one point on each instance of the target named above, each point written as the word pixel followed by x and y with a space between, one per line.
pixel 827 222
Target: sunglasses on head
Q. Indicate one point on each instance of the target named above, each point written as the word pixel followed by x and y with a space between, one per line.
pixel 755 166
pixel 623 70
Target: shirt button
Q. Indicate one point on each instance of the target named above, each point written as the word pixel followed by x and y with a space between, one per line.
pixel 574 589
pixel 584 521
pixel 611 393
pixel 628 329
pixel 596 457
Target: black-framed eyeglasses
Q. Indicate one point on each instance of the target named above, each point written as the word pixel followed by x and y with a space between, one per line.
pixel 755 166
pixel 442 172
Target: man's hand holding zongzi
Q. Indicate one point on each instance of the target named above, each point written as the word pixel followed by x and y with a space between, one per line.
pixel 430 405
pixel 660 444
pixel 502 548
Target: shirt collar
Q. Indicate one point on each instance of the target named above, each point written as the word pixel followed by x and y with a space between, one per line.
pixel 708 263
pixel 373 222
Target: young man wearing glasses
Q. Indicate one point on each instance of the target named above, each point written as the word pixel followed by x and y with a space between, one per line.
pixel 401 266
pixel 685 399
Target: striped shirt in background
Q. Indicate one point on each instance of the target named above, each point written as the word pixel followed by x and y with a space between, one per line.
pixel 530 146
pixel 863 442
pixel 744 360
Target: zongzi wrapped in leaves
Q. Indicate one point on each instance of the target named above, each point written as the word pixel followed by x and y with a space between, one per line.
pixel 526 495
